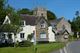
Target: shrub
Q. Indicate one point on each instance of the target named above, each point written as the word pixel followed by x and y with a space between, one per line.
pixel 6 45
pixel 30 37
pixel 25 44
pixel 16 44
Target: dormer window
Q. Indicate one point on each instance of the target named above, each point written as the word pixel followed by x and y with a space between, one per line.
pixel 22 23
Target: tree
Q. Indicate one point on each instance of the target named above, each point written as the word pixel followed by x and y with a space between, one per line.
pixel 77 13
pixel 25 11
pixel 75 24
pixel 30 37
pixel 2 10
pixel 51 15
pixel 14 18
pixel 2 4
pixel 9 9
pixel 15 21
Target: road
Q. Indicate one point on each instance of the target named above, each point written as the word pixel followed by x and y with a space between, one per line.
pixel 73 47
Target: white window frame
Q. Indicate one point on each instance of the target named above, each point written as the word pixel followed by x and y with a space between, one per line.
pixel 23 23
pixel 22 35
pixel 43 35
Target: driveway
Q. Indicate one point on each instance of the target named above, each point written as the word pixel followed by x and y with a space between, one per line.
pixel 73 47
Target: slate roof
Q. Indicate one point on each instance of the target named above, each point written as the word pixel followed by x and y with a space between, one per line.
pixel 56 21
pixel 30 19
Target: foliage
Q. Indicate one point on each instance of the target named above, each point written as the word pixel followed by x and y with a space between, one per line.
pixel 2 11
pixel 30 37
pixel 2 15
pixel 9 9
pixel 51 15
pixel 16 44
pixel 76 23
pixel 14 17
pixel 25 44
pixel 2 4
pixel 6 28
pixel 6 45
pixel 25 11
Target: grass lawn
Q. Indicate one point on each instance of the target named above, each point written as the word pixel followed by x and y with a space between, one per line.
pixel 41 48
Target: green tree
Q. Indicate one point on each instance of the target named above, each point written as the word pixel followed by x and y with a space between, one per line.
pixel 25 11
pixel 2 10
pixel 30 37
pixel 14 18
pixel 51 15
pixel 76 23
pixel 9 9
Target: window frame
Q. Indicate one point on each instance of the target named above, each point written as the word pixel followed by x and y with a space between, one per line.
pixel 22 35
pixel 22 22
pixel 43 33
pixel 42 24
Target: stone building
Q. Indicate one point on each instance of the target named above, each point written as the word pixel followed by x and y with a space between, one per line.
pixel 62 29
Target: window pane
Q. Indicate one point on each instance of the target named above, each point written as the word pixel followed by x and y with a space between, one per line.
pixel 21 35
pixel 22 23
pixel 42 35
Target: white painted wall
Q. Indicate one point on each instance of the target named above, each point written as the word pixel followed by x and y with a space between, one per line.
pixel 51 34
pixel 6 35
pixel 27 30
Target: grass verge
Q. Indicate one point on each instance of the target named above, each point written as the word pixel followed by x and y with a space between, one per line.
pixel 41 48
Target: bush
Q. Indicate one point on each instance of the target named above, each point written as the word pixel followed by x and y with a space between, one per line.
pixel 6 45
pixel 25 44
pixel 16 44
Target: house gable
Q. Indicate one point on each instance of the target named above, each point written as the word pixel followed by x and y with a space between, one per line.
pixel 64 24
pixel 6 20
pixel 42 21
pixel 42 29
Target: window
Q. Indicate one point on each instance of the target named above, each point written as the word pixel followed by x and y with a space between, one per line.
pixel 22 23
pixel 10 36
pixel 63 27
pixel 42 24
pixel 21 35
pixel 3 35
pixel 43 35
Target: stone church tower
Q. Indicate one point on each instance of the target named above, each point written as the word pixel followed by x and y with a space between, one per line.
pixel 39 11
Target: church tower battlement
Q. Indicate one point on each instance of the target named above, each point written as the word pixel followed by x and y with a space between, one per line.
pixel 40 11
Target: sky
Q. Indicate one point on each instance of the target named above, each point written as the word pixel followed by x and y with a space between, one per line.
pixel 62 8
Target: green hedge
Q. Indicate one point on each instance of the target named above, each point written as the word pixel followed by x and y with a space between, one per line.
pixel 25 44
